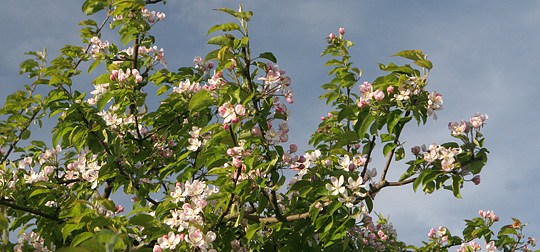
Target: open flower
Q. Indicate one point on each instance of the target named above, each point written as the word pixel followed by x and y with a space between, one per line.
pixel 337 185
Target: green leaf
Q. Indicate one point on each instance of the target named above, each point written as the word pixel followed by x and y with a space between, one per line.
pixel 92 6
pixel 411 54
pixel 456 184
pixel 224 27
pixel 269 56
pixel 251 230
pixel 141 220
pixel 200 101
pixel 80 238
pixel 388 148
pixel 103 99
pixel 39 191
pixel 364 124
pixel 393 119
pixel 221 41
pixel 424 63
pixel 93 65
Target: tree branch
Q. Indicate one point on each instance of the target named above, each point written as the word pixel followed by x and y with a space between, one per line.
pixel 371 144
pixel 30 210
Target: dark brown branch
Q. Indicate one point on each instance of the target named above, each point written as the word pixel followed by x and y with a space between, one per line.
pixel 153 1
pixel 371 144
pixel 30 210
pixel 256 218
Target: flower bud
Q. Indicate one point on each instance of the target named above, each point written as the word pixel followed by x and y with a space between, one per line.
pixel 476 179
pixel 235 244
pixel 256 131
pixel 341 31
pixel 293 148
pixel 390 89
pixel 331 36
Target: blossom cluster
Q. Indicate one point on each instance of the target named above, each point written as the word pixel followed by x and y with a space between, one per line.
pixel 202 65
pixel 488 215
pixel 230 113
pixel 281 135
pixel 300 162
pixel 152 16
pixel 35 241
pixel 372 234
pixel 85 168
pixel 121 76
pixel 464 247
pixel 187 87
pixel 445 155
pixel 186 222
pixel 197 140
pixel 337 187
pixel 440 235
pixel 98 46
pixel 434 104
pixel 366 90
pixel 157 55
pixel 276 82
pixel 463 127
pixel 350 165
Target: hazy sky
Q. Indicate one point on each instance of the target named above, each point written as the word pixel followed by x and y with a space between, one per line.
pixel 486 59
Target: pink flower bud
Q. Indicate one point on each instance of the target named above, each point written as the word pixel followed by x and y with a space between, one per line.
pixel 352 167
pixel 225 126
pixel 476 179
pixel 331 36
pixel 256 131
pixel 415 150
pixel 293 148
pixel 390 89
pixel 361 104
pixel 328 162
pixel 119 209
pixel 322 118
pixel 378 95
pixel 341 31
pixel 235 120
pixel 231 152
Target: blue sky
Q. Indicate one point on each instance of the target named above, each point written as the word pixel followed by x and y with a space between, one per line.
pixel 486 57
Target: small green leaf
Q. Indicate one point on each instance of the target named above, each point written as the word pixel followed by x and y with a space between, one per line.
pixel 93 65
pixel 221 41
pixel 80 238
pixel 200 101
pixel 269 56
pixel 388 148
pixel 224 27
pixel 411 54
pixel 424 63
pixel 103 100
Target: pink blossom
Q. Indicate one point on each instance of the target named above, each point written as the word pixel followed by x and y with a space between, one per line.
pixel 331 36
pixel 365 88
pixel 390 89
pixel 378 95
pixel 341 31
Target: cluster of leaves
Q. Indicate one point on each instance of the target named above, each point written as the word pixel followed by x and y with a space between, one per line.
pixel 223 129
